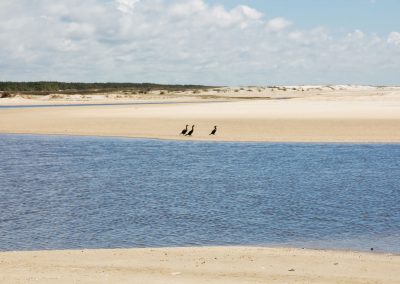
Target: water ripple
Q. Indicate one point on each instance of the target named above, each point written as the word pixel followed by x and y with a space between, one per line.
pixel 88 192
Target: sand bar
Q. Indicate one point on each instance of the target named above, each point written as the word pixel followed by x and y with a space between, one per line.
pixel 366 115
pixel 199 265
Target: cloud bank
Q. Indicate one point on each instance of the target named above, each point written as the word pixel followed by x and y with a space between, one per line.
pixel 183 42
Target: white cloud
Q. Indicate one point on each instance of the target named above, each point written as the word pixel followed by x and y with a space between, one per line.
pixel 278 24
pixel 127 6
pixel 394 38
pixel 248 12
pixel 187 8
pixel 216 15
pixel 180 41
pixel 357 35
pixel 296 35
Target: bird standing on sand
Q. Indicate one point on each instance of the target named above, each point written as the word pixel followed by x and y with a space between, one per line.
pixel 214 131
pixel 190 132
pixel 184 130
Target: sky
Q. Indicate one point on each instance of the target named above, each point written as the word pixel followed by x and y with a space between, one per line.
pixel 209 42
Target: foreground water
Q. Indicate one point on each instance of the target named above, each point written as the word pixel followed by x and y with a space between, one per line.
pixel 87 192
pixel 92 104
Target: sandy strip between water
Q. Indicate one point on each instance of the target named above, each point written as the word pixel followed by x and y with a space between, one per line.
pixel 295 120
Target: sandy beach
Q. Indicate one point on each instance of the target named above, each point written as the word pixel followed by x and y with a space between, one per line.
pixel 199 265
pixel 297 114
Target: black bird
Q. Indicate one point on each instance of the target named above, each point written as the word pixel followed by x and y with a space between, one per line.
pixel 190 132
pixel 184 130
pixel 214 131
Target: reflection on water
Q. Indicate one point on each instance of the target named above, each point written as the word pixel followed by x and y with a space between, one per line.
pixel 86 192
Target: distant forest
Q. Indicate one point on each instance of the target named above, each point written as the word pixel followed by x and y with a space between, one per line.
pixel 62 87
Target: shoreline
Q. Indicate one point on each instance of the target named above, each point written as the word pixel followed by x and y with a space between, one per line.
pixel 199 265
pixel 91 104
pixel 199 247
pixel 194 140
pixel 235 123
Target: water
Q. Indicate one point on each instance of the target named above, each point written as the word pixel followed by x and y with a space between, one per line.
pixel 96 104
pixel 87 192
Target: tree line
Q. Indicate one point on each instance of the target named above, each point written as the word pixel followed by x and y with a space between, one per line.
pixel 49 86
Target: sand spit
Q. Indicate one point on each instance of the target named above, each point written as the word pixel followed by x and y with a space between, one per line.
pixel 274 114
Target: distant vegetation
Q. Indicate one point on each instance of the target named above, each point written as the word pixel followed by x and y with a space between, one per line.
pixel 45 88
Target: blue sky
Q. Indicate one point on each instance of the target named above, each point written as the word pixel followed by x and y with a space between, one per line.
pixel 211 42
pixel 380 16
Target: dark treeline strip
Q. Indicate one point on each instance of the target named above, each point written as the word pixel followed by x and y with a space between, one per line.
pixel 46 87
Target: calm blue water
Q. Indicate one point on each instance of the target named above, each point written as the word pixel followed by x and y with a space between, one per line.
pixel 83 192
pixel 98 104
